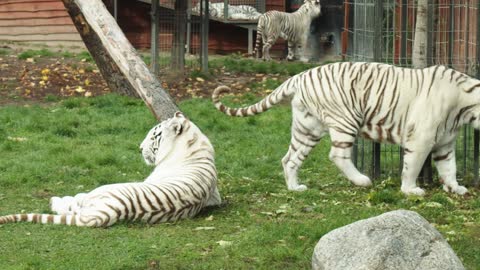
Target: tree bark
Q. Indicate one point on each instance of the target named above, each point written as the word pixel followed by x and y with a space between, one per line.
pixel 121 67
pixel 179 30
pixel 419 56
pixel 419 60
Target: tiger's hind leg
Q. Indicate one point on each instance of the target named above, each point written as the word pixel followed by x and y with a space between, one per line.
pixel 307 131
pixel 215 198
pixel 341 155
pixel 267 44
pixel 444 158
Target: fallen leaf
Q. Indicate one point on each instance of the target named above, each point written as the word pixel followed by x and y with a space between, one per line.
pixel 224 243
pixel 433 205
pixel 204 228
pixel 79 89
pixel 210 218
pixel 45 71
pixel 17 139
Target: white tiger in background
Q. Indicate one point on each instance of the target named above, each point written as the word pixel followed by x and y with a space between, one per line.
pixel 293 27
pixel 183 182
pixel 420 109
pixel 235 12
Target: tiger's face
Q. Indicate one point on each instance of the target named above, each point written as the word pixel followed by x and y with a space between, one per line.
pixel 160 138
pixel 313 7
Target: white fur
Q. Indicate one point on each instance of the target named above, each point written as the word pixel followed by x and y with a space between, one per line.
pixel 419 109
pixel 293 27
pixel 183 181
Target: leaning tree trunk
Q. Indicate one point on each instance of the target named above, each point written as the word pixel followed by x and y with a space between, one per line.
pixel 121 67
pixel 179 30
pixel 419 56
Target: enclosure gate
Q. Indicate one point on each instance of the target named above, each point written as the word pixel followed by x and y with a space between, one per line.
pixel 383 31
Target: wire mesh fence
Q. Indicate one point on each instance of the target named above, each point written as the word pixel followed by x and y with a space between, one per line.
pixel 182 28
pixel 170 38
pixel 383 31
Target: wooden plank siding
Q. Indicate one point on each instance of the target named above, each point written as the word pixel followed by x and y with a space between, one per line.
pixel 41 21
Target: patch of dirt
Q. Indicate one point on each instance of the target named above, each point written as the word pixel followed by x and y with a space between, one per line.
pixel 44 78
pixel 49 78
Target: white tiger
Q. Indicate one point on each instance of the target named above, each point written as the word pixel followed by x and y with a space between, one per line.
pixel 183 182
pixel 235 12
pixel 420 109
pixel 293 27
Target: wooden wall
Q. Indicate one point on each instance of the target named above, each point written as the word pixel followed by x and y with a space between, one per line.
pixel 134 19
pixel 40 21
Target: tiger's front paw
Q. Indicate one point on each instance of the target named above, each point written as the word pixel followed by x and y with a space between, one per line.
pixel 413 191
pixel 362 181
pixel 298 188
pixel 460 190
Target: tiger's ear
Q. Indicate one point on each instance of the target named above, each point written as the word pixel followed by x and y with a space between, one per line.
pixel 179 114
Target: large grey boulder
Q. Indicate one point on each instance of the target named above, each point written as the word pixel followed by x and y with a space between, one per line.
pixel 395 240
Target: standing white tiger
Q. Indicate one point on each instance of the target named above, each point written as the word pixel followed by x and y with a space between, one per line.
pixel 293 27
pixel 420 109
pixel 183 182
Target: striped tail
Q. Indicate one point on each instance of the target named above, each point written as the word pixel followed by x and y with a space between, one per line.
pixel 258 40
pixel 72 220
pixel 283 91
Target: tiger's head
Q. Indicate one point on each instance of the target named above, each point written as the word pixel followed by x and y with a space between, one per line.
pixel 312 7
pixel 159 140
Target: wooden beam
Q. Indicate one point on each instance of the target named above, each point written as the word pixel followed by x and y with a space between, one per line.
pixel 121 66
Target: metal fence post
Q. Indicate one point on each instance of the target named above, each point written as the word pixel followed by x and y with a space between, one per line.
pixel 403 58
pixel 377 57
pixel 155 19
pixel 476 134
pixel 204 21
pixel 225 9
pixel 426 174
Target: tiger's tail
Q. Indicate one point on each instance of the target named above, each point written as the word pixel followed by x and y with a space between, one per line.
pixel 285 90
pixel 71 220
pixel 258 40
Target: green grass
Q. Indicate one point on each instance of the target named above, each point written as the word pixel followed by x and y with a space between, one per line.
pixel 84 55
pixel 237 63
pixel 35 53
pixel 78 144
pixel 4 52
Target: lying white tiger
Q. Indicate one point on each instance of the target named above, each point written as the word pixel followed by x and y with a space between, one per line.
pixel 293 27
pixel 183 182
pixel 420 109
pixel 235 12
